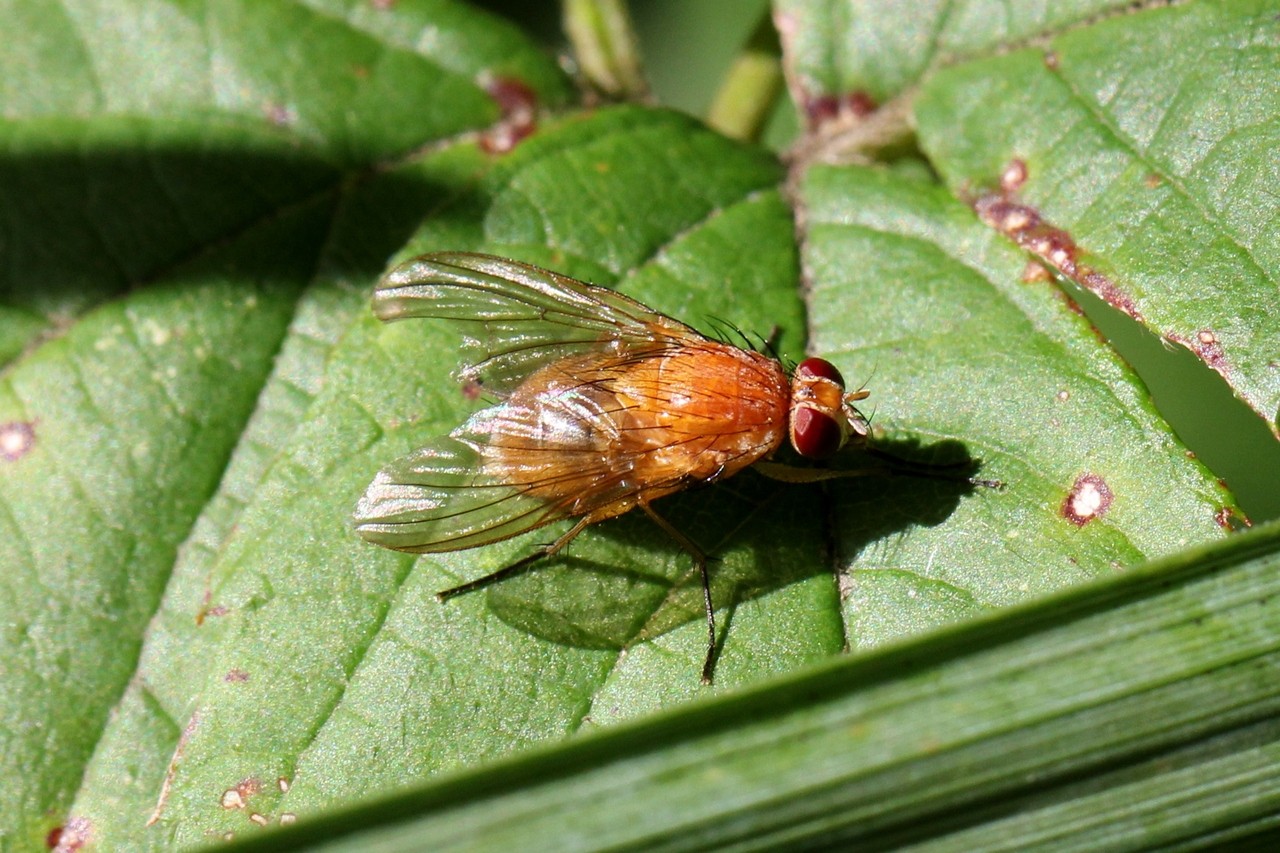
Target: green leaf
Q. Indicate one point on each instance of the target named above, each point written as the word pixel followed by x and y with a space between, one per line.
pixel 197 198
pixel 18 329
pixel 1145 154
pixel 188 191
pixel 370 659
pixel 840 49
pixel 1131 715
pixel 137 134
pixel 962 355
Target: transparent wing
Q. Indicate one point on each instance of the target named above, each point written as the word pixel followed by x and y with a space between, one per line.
pixel 439 498
pixel 515 317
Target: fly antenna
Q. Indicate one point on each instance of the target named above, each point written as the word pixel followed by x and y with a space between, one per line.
pixel 870 376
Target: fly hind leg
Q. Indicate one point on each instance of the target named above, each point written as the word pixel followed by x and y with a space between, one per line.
pixel 700 559
pixel 518 566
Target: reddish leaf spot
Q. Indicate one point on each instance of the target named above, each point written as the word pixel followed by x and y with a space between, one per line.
pixel 382 5
pixel 236 675
pixel 1228 519
pixel 518 108
pixel 860 104
pixel 822 110
pixel 1013 176
pixel 167 785
pixel 16 439
pixel 1207 347
pixel 1090 497
pixel 1023 224
pixel 279 114
pixel 71 836
pixel 471 389
pixel 1051 60
pixel 206 612
pixel 237 796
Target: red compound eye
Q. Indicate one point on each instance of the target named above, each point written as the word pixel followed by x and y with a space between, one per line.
pixel 822 368
pixel 815 434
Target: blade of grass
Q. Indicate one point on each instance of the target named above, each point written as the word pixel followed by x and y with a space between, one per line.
pixel 1139 711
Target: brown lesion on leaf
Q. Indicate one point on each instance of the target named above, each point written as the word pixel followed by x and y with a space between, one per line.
pixel 178 751
pixel 278 114
pixel 208 608
pixel 1013 176
pixel 205 612
pixel 821 111
pixel 518 113
pixel 238 795
pixel 74 835
pixel 1090 497
pixel 234 676
pixel 847 128
pixel 17 438
pixel 1054 246
pixel 1206 346
pixel 1231 520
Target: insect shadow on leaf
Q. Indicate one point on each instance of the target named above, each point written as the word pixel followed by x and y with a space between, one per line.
pixel 604 406
pixel 627 583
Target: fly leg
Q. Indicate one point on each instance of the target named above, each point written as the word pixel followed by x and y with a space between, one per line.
pixel 894 468
pixel 699 558
pixel 518 566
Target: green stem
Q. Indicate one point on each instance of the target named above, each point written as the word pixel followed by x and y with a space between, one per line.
pixel 606 47
pixel 751 88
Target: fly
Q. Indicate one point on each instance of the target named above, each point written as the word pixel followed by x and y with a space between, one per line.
pixel 604 405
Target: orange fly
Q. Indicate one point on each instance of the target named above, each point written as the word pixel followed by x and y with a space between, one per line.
pixel 604 405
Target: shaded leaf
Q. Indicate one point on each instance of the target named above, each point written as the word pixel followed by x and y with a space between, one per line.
pixel 321 658
pixel 173 175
